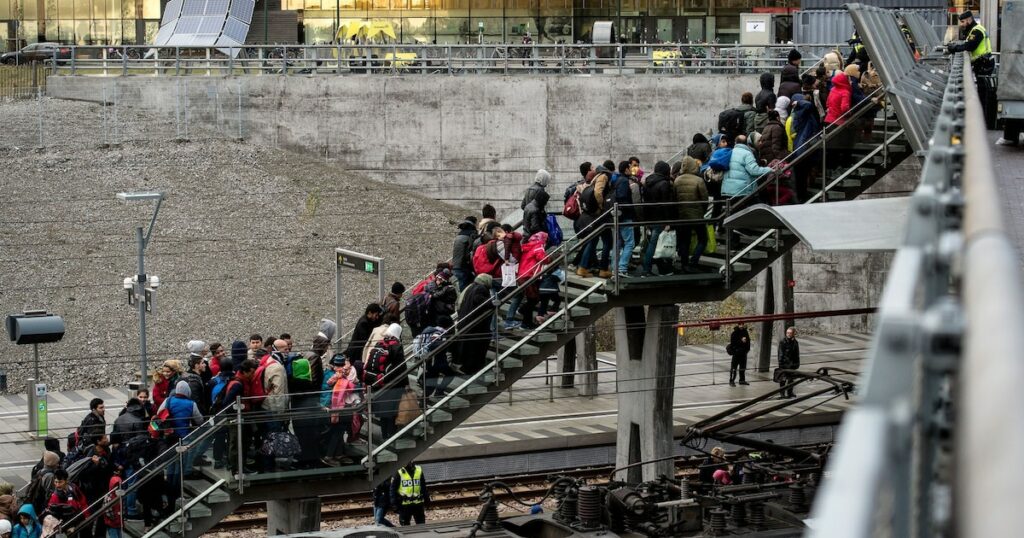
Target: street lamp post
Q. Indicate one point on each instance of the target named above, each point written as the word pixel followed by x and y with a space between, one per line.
pixel 138 293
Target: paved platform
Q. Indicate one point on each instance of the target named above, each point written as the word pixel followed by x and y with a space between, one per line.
pixel 530 423
pixel 1008 162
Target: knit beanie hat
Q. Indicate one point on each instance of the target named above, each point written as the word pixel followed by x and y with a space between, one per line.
pixel 50 459
pixel 328 328
pixel 794 55
pixel 195 347
pixel 239 352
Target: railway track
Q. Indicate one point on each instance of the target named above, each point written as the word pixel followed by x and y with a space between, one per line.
pixel 444 495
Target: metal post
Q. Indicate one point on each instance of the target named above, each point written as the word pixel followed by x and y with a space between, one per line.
pixel 423 366
pixel 824 162
pixel 369 432
pixel 177 109
pixel 103 114
pixel 140 301
pixel 337 306
pixel 549 381
pixel 728 247
pixel 39 99
pixel 380 279
pixel 181 486
pixel 33 419
pixel 240 110
pixel 240 444
pixel 35 365
pixel 615 246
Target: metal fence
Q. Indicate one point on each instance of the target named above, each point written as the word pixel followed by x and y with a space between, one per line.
pixel 665 59
pixel 914 456
pixel 23 81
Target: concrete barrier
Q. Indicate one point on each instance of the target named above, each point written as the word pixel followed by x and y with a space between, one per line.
pixel 458 139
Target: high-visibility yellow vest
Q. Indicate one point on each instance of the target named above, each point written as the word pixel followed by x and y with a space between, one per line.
pixel 984 47
pixel 857 47
pixel 409 487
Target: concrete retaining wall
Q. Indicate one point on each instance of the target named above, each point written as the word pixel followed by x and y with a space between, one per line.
pixel 459 139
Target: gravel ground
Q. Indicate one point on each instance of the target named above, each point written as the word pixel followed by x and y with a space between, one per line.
pixel 244 242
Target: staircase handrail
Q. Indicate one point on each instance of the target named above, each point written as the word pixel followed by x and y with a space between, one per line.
pixel 157 465
pixel 185 508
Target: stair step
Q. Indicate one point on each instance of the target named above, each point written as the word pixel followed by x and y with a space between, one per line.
pixel 510 363
pixel 738 267
pixel 440 415
pixel 417 430
pixel 174 527
pixel 833 194
pixel 405 443
pixel 579 312
pixel 384 456
pixel 134 527
pixel 524 349
pixel 195 487
pixel 475 388
pixel 544 337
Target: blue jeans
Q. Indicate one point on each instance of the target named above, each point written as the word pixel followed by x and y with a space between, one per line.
pixel 379 513
pixel 626 244
pixel 590 250
pixel 464 277
pixel 113 533
pixel 130 511
pixel 651 246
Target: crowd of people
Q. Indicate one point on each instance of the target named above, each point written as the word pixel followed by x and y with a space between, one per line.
pixel 307 409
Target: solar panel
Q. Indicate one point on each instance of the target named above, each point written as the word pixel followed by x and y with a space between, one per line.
pixel 211 25
pixel 236 29
pixel 217 7
pixel 242 10
pixel 205 23
pixel 193 7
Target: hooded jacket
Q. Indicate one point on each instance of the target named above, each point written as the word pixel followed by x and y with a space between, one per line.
pixel 700 149
pixel 132 423
pixel 840 99
pixel 774 142
pixel 462 248
pixel 789 84
pixel 805 124
pixel 533 255
pixel 184 412
pixel 239 352
pixel 33 530
pixel 535 216
pixel 196 386
pixel 275 384
pixel 540 183
pixel 658 190
pixel 743 172
pixel 764 100
pixel 690 188
pixel 782 107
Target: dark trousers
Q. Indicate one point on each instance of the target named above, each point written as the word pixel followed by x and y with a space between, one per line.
pixel 739 364
pixel 684 235
pixel 409 512
pixel 335 445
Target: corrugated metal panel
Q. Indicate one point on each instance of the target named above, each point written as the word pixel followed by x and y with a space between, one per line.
pixel 282 27
pixel 836 26
pixel 886 4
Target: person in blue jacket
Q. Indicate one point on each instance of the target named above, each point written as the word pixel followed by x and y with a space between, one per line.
pixel 28 524
pixel 741 179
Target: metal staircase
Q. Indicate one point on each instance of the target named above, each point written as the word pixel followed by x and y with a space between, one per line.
pixel 207 500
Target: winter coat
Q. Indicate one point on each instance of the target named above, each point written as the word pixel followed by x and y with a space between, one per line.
pixel 535 218
pixel 773 142
pixel 764 101
pixel 689 187
pixel 160 391
pixel 33 530
pixel 112 517
pixel 856 94
pixel 183 411
pixel 360 334
pixel 538 186
pixel 471 349
pixel 739 347
pixel 623 195
pixel 375 336
pixel 805 125
pixel 91 429
pixel 533 255
pixel 840 99
pixel 275 384
pixel 658 190
pixel 131 424
pixel 700 150
pixel 749 115
pixel 198 388
pixel 789 354
pixel 741 179
pixel 789 84
pixel 720 159
pixel 462 253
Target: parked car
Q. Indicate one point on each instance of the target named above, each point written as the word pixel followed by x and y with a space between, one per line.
pixel 36 52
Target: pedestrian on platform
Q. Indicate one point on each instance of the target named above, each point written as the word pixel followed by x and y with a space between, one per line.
pixel 197 350
pixel 409 494
pixel 789 359
pixel 94 425
pixel 739 346
pixel 382 503
pixel 475 303
pixel 339 391
pixel 237 388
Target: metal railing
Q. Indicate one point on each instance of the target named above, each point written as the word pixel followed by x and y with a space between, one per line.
pixel 397 59
pixel 913 456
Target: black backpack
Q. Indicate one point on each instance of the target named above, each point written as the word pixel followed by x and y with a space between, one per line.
pixel 39 490
pixel 730 122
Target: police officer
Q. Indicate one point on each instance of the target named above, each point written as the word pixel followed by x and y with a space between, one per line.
pixel 409 493
pixel 977 43
pixel 858 54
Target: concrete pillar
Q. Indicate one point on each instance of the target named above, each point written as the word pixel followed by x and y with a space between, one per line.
pixel 766 305
pixel 782 274
pixel 586 360
pixel 292 516
pixel 645 352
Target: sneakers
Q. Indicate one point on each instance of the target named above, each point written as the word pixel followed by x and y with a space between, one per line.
pixel 743 382
pixel 512 325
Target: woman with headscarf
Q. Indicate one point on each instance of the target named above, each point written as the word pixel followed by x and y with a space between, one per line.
pixel 782 107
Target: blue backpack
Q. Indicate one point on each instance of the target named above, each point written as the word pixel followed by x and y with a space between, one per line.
pixel 554 232
pixel 219 383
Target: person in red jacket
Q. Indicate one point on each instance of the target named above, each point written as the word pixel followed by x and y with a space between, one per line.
pixel 112 517
pixel 530 266
pixel 67 500
pixel 839 99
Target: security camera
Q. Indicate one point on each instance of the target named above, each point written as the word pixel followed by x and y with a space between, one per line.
pixel 154 281
pixel 128 283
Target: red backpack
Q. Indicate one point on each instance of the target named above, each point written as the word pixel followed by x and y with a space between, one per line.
pixel 571 210
pixel 257 392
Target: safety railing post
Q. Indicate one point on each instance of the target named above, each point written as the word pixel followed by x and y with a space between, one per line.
pixel 182 519
pixel 615 246
pixel 728 247
pixel 103 60
pixel 177 61
pixel 547 379
pixel 885 127
pixel 124 61
pixel 240 444
pixel 423 384
pixel 74 61
pixel 369 433
pixel 824 162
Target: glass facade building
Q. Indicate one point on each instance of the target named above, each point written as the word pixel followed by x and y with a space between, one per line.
pixel 94 22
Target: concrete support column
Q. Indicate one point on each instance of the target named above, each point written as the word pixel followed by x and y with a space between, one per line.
pixel 774 295
pixel 645 352
pixel 586 360
pixel 567 362
pixel 765 305
pixel 292 516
